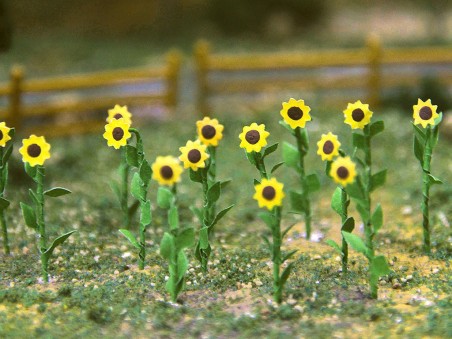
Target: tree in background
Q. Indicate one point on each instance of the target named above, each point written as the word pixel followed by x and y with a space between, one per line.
pixel 5 28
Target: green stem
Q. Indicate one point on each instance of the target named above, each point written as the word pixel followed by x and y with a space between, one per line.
pixel 3 181
pixel 426 190
pixel 125 169
pixel 344 217
pixel 40 220
pixel 277 239
pixel 368 230
pixel 260 165
pixel 212 172
pixel 206 215
pixel 307 201
pixel 4 233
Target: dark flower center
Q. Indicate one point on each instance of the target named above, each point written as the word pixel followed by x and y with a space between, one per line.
pixel 166 172
pixel 425 113
pixel 328 147
pixel 208 131
pixel 268 193
pixel 1 135
pixel 194 156
pixel 252 137
pixel 34 150
pixel 295 113
pixel 118 133
pixel 358 114
pixel 117 116
pixel 342 172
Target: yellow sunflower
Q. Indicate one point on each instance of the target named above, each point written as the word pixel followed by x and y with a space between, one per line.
pixel 166 170
pixel 328 146
pixel 269 193
pixel 424 113
pixel 357 115
pixel 119 112
pixel 343 171
pixel 117 133
pixel 194 155
pixel 4 134
pixel 295 113
pixel 35 150
pixel 210 131
pixel 253 137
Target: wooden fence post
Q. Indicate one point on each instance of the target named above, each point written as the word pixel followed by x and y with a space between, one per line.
pixel 15 97
pixel 174 60
pixel 201 55
pixel 375 51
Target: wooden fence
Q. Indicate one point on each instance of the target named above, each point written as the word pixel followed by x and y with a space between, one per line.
pixel 373 58
pixel 50 117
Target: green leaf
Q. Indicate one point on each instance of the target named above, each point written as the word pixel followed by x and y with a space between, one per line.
pixel 359 141
pixel 379 266
pixel 348 225
pixel 31 171
pixel 336 201
pixel 130 237
pixel 377 127
pixel 167 247
pixel 116 190
pixel 58 241
pixel 363 212
pixel 133 208
pixel 418 148
pixel 132 156
pixel 356 243
pixel 290 155
pixel 268 218
pixel 297 201
pixel 286 126
pixel 220 215
pixel 252 157
pixel 204 238
pixel 313 182
pixel 164 197
pixel 328 168
pixel 135 187
pixel 145 213
pixel 4 203
pixel 334 245
pixel 267 242
pixel 377 218
pixel 145 171
pixel 224 184
pixel 197 212
pixel 173 217
pixel 7 153
pixel 378 180
pixel 418 132
pixel 256 182
pixel 33 196
pixel 355 191
pixel 29 215
pixel 285 274
pixel 304 138
pixel 57 192
pixel 182 265
pixel 195 176
pixel 214 192
pixel 270 149
pixel 185 239
pixel 278 165
pixel 439 119
pixel 288 255
pixel 434 180
pixel 287 230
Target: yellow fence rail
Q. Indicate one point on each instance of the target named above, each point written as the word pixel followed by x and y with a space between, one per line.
pixel 372 57
pixel 17 113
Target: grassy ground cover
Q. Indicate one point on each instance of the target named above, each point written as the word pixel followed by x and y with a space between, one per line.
pixel 97 289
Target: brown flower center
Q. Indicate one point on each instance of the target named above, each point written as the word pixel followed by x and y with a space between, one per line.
pixel 268 193
pixel 1 135
pixel 34 150
pixel 252 137
pixel 194 156
pixel 208 131
pixel 358 114
pixel 118 116
pixel 342 172
pixel 328 147
pixel 118 133
pixel 425 113
pixel 295 113
pixel 166 172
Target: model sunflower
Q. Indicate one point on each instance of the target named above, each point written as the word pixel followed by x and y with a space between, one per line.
pixel 424 113
pixel 210 131
pixel 343 171
pixel 357 115
pixel 166 170
pixel 194 155
pixel 269 193
pixel 117 133
pixel 253 137
pixel 328 146
pixel 35 150
pixel 119 112
pixel 4 134
pixel 295 113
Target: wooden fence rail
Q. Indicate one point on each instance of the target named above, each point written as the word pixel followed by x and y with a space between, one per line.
pixel 18 113
pixel 372 57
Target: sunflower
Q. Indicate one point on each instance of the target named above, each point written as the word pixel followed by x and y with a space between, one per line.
pixel 269 193
pixel 35 150
pixel 209 131
pixel 328 146
pixel 424 113
pixel 117 133
pixel 253 137
pixel 4 134
pixel 166 170
pixel 343 171
pixel 357 115
pixel 119 112
pixel 295 113
pixel 194 155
